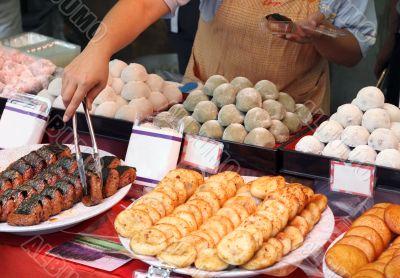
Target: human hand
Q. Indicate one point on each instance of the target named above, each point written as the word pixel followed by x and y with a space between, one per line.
pixel 384 56
pixel 85 76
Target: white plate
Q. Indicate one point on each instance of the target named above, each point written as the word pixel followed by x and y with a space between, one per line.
pixel 325 269
pixel 68 218
pixel 314 241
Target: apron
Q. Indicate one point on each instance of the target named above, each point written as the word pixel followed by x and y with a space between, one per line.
pixel 235 43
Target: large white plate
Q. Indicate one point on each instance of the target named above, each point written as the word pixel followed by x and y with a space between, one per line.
pixel 325 269
pixel 68 218
pixel 314 241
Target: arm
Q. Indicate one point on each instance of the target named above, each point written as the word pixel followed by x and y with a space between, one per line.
pixel 88 73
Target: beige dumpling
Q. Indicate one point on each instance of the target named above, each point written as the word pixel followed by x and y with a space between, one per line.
pixel 348 115
pixel 173 94
pixel 248 99
pixel 394 112
pixel 395 128
pixel 288 102
pixel 229 114
pixel 116 67
pixel 369 98
pixel 107 94
pixel 267 89
pixel 134 72
pixel 376 118
pixel 107 109
pixel 155 82
pixel 310 144
pixel 336 149
pixel 383 139
pixel 260 137
pixel 178 111
pixel 164 119
pixel 120 101
pixel 354 136
pixel 224 94
pixel 128 113
pixel 117 84
pixel 143 106
pixel 235 133
pixel 189 125
pixel 240 83
pixel 388 158
pixel 363 154
pixel 275 109
pixel 55 86
pixel 293 122
pixel 257 117
pixel 304 114
pixel 280 131
pixel 193 98
pixel 135 89
pixel 212 83
pixel 205 111
pixel 211 129
pixel 329 131
pixel 159 101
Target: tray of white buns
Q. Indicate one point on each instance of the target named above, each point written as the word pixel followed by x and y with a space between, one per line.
pixel 226 225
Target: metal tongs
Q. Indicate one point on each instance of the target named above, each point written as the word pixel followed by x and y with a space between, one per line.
pixel 79 158
pixel 281 25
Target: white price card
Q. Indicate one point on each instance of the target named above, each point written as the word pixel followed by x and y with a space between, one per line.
pixel 352 178
pixel 202 153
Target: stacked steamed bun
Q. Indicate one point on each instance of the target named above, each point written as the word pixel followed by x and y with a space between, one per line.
pixel 131 93
pixel 239 111
pixel 365 131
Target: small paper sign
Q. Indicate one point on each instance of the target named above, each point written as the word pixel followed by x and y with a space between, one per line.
pixel 352 178
pixel 202 153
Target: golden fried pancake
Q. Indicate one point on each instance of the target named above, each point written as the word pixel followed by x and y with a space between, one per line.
pixel 237 247
pixel 368 273
pixel 265 257
pixel 361 243
pixel 208 260
pixel 320 200
pixel 392 269
pixel 264 185
pixel 370 234
pixel 377 224
pixel 382 205
pixel 379 212
pixel 392 218
pixel 178 254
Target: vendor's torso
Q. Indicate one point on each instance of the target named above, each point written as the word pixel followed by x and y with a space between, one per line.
pixel 236 43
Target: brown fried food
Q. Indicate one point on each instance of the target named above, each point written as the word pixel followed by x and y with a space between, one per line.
pixel 204 207
pixel 321 201
pixel 377 224
pixel 361 243
pixel 278 247
pixel 171 232
pixel 208 260
pixel 368 273
pixel 392 218
pixel 237 247
pixel 379 212
pixel 192 209
pixel 209 197
pixel 217 189
pixel 370 234
pixel 264 185
pixel 300 223
pixel 179 254
pixel 382 205
pixel 295 236
pixel 263 223
pixel 286 243
pixel 265 257
pixel 231 214
pixel 392 270
pixel 245 201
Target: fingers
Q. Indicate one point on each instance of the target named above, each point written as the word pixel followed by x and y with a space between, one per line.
pixel 78 96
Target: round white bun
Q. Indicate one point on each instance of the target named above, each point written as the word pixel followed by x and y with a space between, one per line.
pixel 348 115
pixel 116 67
pixel 328 131
pixel 135 89
pixel 388 158
pixel 310 144
pixel 354 136
pixel 383 139
pixel 369 98
pixel 336 149
pixel 134 72
pixel 107 94
pixel 107 109
pixel 376 118
pixel 363 154
pixel 394 112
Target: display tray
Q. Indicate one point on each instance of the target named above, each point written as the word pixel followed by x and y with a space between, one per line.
pixel 318 167
pixel 66 219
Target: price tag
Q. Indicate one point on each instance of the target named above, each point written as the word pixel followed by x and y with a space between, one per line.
pixel 352 178
pixel 202 153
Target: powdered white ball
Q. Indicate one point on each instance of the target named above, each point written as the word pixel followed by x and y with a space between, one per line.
pixel 354 136
pixel 159 101
pixel 128 113
pixel 143 106
pixel 172 93
pixel 348 115
pixel 336 149
pixel 287 101
pixel 134 72
pixel 310 144
pixel 107 94
pixel 394 112
pixel 267 89
pixel 328 131
pixel 116 67
pixel 369 98
pixel 376 118
pixel 389 158
pixel 155 82
pixel 120 101
pixel 135 89
pixel 248 99
pixel 55 86
pixel 382 139
pixel 239 83
pixel 117 84
pixel 363 154
pixel 107 109
pixel 212 83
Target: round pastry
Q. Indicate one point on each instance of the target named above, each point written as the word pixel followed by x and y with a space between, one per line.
pixel 363 154
pixel 333 117
pixel 395 128
pixel 240 83
pixel 224 94
pixel 287 101
pixel 392 269
pixel 211 129
pixel 275 109
pixel 260 137
pixel 304 114
pixel 172 93
pixel 336 149
pixel 280 131
pixel 143 106
pixel 376 118
pixel 348 115
pixel 267 89
pixel 193 98
pixel 229 114
pixel 354 136
pixel 345 260
pixel 207 259
pixel 382 139
pixel 116 67
pixel 135 89
pixel 179 111
pixel 205 111
pixel 107 94
pixel 369 98
pixel 257 117
pixel 155 82
pixel 159 101
pixel 55 86
pixel 248 99
pixel 392 218
pixel 293 122
pixel 117 84
pixel 235 133
pixel 388 158
pixel 212 83
pixel 134 72
pixel 189 125
pixel 107 109
pixel 329 131
pixel 310 144
pixel 394 112
pixel 128 113
pixel 164 119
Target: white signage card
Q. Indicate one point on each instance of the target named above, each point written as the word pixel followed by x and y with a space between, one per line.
pixel 352 178
pixel 202 153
